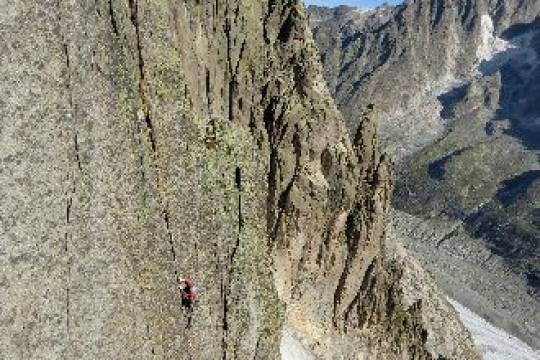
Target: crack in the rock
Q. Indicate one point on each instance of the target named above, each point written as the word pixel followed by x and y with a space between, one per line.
pixel 269 12
pixel 68 68
pixel 233 67
pixel 289 13
pixel 67 309
pixel 208 97
pixel 240 56
pixel 276 129
pixel 447 237
pixel 275 125
pixel 224 324
pixel 68 209
pixel 66 53
pixel 353 236
pixel 169 233
pixel 112 18
pixel 285 195
pixel 145 116
pixel 77 152
pixel 151 132
pixel 215 13
pixel 233 85
pixel 238 181
pixel 227 291
pixel 232 81
pixel 67 237
pixel 134 12
pixel 69 202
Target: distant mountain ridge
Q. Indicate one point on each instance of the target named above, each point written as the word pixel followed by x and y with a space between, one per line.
pixel 456 86
pixel 397 57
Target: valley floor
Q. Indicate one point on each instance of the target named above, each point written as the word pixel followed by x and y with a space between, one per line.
pixel 469 273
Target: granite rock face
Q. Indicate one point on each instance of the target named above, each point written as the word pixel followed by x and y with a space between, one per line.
pixel 125 165
pixel 142 141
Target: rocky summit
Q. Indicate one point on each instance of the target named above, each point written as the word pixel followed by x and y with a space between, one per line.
pixel 455 84
pixel 144 141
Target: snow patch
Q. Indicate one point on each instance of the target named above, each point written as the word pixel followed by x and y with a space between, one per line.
pixel 493 343
pixel 292 349
pixel 494 52
pixel 490 45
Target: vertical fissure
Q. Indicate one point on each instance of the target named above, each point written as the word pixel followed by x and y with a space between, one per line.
pixel 68 325
pixel 227 291
pixel 69 201
pixel 240 56
pixel 269 12
pixel 68 209
pixel 68 75
pixel 232 76
pixel 113 19
pixel 238 181
pixel 67 235
pixel 224 323
pixel 145 116
pixel 351 233
pixel 208 92
pixel 233 84
pixel 77 152
pixel 169 233
pixel 285 195
pixel 151 132
pixel 146 113
pixel 276 129
pixel 233 67
pixel 66 53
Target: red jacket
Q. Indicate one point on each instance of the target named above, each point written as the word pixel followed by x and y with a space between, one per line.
pixel 189 295
pixel 189 292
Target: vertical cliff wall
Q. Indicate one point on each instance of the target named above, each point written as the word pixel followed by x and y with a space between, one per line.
pixel 146 140
pixel 128 161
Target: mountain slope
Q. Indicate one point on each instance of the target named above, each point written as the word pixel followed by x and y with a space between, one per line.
pixel 401 57
pixel 455 84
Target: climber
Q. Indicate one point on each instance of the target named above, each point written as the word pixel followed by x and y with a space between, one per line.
pixel 189 293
